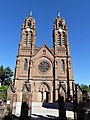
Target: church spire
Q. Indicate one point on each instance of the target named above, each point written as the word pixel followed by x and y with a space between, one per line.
pixel 60 31
pixel 28 31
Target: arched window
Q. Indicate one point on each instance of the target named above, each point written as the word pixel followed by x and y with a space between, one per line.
pixel 60 24
pixel 29 23
pixel 62 65
pixel 25 64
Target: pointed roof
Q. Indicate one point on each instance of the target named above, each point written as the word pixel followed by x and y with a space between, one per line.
pixel 11 88
pixel 46 48
pixel 26 86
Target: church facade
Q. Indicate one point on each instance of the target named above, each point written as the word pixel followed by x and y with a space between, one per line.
pixel 48 71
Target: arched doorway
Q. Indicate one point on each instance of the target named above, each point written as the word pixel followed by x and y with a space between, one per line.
pixel 44 92
pixel 62 92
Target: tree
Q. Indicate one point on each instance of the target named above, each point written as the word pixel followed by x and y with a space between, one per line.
pixel 3 90
pixel 85 87
pixel 2 73
pixel 6 75
pixel 8 72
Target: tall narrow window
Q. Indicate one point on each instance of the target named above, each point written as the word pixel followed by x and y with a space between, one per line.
pixel 60 24
pixel 62 66
pixel 30 38
pixel 25 64
pixel 29 23
pixel 63 38
pixel 25 39
pixel 59 39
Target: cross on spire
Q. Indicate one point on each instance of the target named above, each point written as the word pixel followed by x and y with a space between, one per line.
pixel 44 41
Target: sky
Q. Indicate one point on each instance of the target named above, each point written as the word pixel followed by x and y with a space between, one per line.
pixel 77 16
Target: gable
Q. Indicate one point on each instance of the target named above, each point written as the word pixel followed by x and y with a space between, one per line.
pixel 44 52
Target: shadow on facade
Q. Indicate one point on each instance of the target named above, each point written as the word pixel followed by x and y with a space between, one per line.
pixel 60 105
pixel 50 105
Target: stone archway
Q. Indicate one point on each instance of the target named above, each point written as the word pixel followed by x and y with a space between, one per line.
pixel 44 92
pixel 62 92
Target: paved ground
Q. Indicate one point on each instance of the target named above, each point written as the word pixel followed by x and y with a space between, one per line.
pixel 39 111
pixel 49 113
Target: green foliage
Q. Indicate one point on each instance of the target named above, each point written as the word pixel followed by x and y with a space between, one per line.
pixel 2 73
pixel 5 75
pixel 3 91
pixel 3 88
pixel 8 72
pixel 1 70
pixel 8 81
pixel 85 87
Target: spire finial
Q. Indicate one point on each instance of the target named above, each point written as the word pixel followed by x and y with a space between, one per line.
pixel 30 13
pixel 58 13
pixel 44 41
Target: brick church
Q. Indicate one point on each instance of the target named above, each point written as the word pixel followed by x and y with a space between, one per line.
pixel 42 71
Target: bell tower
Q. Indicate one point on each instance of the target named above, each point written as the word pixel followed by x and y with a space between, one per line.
pixel 25 51
pixel 60 32
pixel 28 34
pixel 62 58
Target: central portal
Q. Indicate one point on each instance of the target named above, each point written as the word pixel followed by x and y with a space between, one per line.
pixel 44 92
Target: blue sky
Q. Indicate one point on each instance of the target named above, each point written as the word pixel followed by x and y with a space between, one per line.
pixel 77 16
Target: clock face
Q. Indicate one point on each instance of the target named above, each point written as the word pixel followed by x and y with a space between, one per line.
pixel 60 30
pixel 28 29
pixel 43 66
